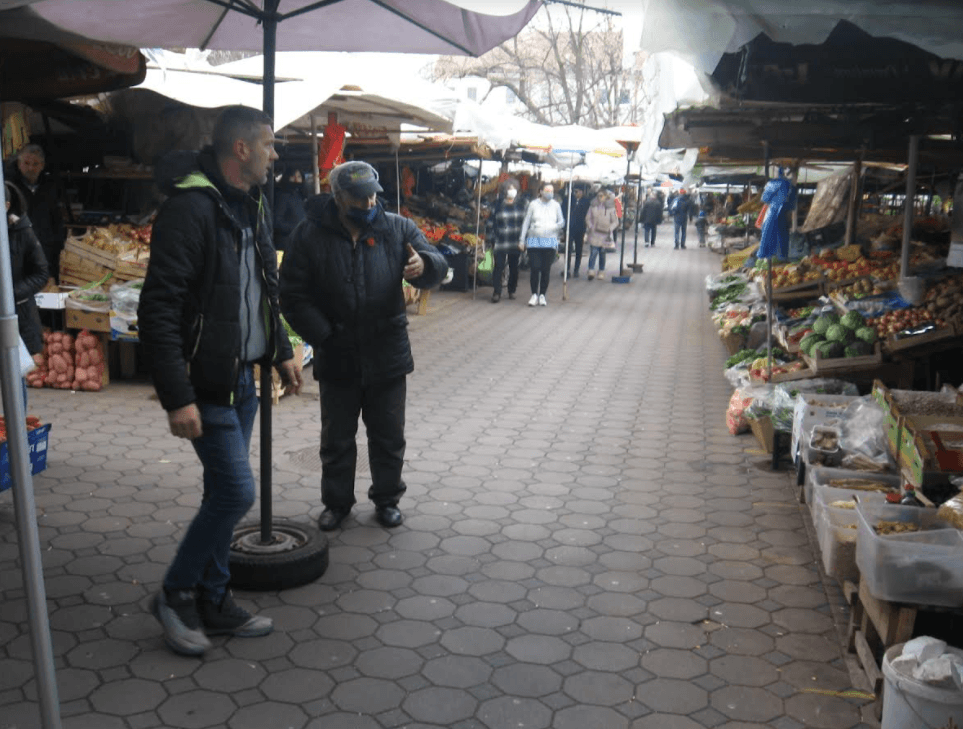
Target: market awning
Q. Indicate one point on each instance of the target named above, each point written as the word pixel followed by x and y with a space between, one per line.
pixel 39 62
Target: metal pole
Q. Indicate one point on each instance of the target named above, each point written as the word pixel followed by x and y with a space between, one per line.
pixel 315 163
pixel 25 507
pixel 914 154
pixel 628 164
pixel 478 184
pixel 638 214
pixel 568 227
pixel 769 321
pixel 267 380
pixel 398 182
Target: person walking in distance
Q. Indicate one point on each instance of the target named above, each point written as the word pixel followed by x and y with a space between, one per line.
pixel 600 222
pixel 702 228
pixel 504 231
pixel 540 230
pixel 208 311
pixel 680 217
pixel 651 218
pixel 341 291
pixel 576 229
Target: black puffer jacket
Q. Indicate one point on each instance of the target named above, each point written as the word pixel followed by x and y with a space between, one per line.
pixel 190 303
pixel 43 207
pixel 346 300
pixel 28 267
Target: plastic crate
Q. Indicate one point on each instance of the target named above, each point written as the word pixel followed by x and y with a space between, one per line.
pixel 819 478
pixel 37 441
pixel 836 532
pixel 924 567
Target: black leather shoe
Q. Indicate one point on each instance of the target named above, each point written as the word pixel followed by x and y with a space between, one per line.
pixel 331 519
pixel 511 294
pixel 496 298
pixel 389 516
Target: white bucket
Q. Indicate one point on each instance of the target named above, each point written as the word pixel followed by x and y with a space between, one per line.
pixel 912 704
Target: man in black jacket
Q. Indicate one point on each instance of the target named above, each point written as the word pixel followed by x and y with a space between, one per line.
pixel 208 311
pixel 651 217
pixel 341 291
pixel 576 228
pixel 43 202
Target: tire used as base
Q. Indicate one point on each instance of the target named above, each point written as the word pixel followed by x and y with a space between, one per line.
pixel 301 556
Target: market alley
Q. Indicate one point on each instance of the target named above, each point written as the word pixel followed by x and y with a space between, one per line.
pixel 585 545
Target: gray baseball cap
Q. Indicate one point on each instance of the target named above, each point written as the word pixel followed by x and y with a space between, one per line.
pixel 356 178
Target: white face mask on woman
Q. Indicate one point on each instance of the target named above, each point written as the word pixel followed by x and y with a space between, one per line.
pixel 546 195
pixel 510 194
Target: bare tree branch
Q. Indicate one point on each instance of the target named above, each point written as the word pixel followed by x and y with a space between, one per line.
pixel 566 68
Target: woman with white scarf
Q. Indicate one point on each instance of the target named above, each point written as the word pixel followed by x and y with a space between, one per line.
pixel 543 223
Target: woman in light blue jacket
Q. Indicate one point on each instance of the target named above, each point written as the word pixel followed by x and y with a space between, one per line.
pixel 540 231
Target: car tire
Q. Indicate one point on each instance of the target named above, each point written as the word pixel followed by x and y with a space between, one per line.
pixel 297 555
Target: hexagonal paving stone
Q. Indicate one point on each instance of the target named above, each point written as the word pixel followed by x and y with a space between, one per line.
pixel 598 687
pixel 389 662
pixel 579 717
pixel 747 704
pixel 672 696
pixel 744 670
pixel 441 706
pixel 196 710
pixel 670 663
pixel 472 641
pixel 612 629
pixel 507 712
pixel 367 695
pixel 297 686
pixel 542 649
pixel 457 671
pixel 822 712
pixel 268 713
pixel 100 654
pixel 520 679
pixel 323 654
pixel 229 675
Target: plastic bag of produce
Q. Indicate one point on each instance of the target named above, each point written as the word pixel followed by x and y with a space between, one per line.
pixel 784 398
pixel 89 299
pixel 736 412
pixel 125 297
pixel 88 370
pixel 863 440
pixel 761 404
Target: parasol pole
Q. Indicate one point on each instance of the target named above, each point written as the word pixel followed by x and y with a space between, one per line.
pixel 267 376
pixel 628 164
pixel 910 202
pixel 25 507
pixel 315 162
pixel 398 182
pixel 638 214
pixel 478 184
pixel 568 226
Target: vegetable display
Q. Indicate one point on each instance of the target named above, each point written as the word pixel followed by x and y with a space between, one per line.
pixel 71 363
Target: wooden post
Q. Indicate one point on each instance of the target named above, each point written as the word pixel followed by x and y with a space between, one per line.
pixel 852 214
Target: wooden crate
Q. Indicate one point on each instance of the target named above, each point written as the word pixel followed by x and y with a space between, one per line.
pixel 937 335
pixel 838 365
pixel 125 266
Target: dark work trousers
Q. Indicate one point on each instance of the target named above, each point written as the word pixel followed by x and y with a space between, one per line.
pixel 575 249
pixel 500 260
pixel 649 230
pixel 381 406
pixel 542 260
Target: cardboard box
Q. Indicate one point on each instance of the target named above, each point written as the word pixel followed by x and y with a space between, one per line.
pixel 95 321
pixel 52 299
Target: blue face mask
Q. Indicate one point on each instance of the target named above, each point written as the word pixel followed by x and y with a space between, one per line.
pixel 362 217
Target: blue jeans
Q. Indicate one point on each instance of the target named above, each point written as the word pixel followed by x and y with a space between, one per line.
pixel 680 226
pixel 201 562
pixel 649 230
pixel 596 252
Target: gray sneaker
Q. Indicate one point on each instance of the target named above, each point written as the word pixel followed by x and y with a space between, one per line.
pixel 177 614
pixel 229 618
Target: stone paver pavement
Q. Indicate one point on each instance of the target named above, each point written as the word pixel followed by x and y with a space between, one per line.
pixel 585 545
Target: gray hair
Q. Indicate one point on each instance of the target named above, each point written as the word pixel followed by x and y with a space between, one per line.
pixel 32 149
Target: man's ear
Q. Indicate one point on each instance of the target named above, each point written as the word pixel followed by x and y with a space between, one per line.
pixel 242 150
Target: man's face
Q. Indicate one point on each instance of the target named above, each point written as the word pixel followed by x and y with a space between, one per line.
pixel 258 154
pixel 347 201
pixel 578 193
pixel 30 165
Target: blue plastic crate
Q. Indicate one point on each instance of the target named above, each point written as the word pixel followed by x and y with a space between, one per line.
pixel 37 441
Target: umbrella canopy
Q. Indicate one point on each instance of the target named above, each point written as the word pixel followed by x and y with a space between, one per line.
pixel 39 62
pixel 426 26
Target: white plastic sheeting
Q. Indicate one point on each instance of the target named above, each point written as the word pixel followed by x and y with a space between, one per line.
pixel 700 31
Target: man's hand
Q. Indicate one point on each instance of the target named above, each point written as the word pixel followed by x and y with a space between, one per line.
pixel 521 245
pixel 185 422
pixel 290 372
pixel 415 266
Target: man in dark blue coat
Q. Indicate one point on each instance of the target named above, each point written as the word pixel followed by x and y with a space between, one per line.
pixel 680 215
pixel 341 291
